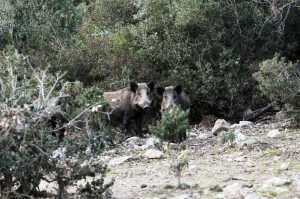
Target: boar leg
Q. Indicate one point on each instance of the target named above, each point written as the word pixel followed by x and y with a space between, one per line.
pixel 126 124
pixel 183 136
pixel 138 122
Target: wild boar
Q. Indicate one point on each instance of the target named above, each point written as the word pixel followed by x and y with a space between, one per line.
pixel 130 103
pixel 173 96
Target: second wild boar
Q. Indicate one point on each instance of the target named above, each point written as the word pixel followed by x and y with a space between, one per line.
pixel 173 96
pixel 130 103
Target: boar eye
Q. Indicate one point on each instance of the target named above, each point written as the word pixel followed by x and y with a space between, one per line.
pixel 166 97
pixel 140 94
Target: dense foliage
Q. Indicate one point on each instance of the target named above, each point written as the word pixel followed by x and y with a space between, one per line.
pixel 279 79
pixel 211 47
pixel 36 112
pixel 229 56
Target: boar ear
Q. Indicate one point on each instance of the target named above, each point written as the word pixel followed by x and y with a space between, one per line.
pixel 133 86
pixel 160 90
pixel 178 89
pixel 151 85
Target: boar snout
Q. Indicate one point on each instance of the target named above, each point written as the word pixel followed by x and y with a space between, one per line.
pixel 168 109
pixel 144 106
pixel 147 108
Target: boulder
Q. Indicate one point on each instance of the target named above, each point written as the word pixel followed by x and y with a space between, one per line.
pixel 274 133
pixel 234 191
pixel 220 125
pixel 242 124
pixel 154 154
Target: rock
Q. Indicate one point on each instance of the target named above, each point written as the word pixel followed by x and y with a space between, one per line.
pixel 184 196
pixel 143 186
pixel 203 136
pixel 192 135
pixel 284 166
pixel 276 158
pixel 282 115
pixel 239 137
pixel 273 133
pixel 150 143
pixel 220 125
pixel 134 139
pixel 193 168
pixel 241 159
pixel 234 191
pixel 154 154
pixel 274 182
pixel 277 181
pixel 242 124
pixel 254 196
pixel 296 184
pixel 119 160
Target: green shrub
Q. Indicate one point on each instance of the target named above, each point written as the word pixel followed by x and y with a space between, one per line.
pixel 29 152
pixel 279 80
pixel 228 137
pixel 173 126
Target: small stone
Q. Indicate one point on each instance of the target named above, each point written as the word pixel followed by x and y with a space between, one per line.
pixel 150 143
pixel 277 181
pixel 203 136
pixel 254 196
pixel 273 133
pixel 284 166
pixel 134 139
pixel 250 164
pixel 296 184
pixel 184 196
pixel 143 186
pixel 119 160
pixel 276 158
pixel 242 124
pixel 192 135
pixel 241 159
pixel 234 191
pixel 154 154
pixel 239 137
pixel 193 168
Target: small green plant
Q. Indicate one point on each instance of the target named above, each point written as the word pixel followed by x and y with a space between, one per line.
pixel 216 188
pixel 228 137
pixel 297 119
pixel 172 128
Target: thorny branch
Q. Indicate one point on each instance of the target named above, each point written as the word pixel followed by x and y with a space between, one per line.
pixel 278 14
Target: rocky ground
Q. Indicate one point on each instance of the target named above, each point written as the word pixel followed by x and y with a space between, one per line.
pixel 262 160
pixel 246 160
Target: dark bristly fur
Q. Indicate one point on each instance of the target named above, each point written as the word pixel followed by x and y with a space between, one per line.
pixel 130 103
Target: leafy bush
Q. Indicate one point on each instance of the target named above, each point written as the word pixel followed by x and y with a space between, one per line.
pixel 173 126
pixel 29 152
pixel 279 80
pixel 228 137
